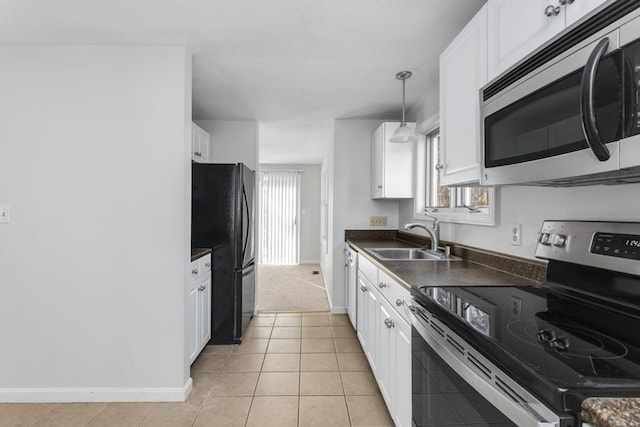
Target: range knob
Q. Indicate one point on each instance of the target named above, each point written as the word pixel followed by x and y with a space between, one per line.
pixel 544 239
pixel 560 344
pixel 560 240
pixel 545 335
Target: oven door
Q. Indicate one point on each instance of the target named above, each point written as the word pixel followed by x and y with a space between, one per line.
pixel 452 384
pixel 564 121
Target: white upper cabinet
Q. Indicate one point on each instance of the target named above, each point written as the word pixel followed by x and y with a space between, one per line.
pixel 199 144
pixel 517 28
pixel 391 164
pixel 463 71
pixel 580 8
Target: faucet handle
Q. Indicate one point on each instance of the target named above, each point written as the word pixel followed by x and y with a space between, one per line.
pixel 436 221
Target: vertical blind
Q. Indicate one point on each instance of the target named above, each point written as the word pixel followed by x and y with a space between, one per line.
pixel 280 201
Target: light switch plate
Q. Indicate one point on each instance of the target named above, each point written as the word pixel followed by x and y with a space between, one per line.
pixel 4 214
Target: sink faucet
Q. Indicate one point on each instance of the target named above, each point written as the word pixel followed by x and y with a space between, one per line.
pixel 433 231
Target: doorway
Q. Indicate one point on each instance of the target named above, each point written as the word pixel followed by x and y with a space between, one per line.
pixel 279 216
pixel 289 277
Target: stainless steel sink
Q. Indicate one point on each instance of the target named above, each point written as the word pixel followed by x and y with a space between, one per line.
pixel 409 254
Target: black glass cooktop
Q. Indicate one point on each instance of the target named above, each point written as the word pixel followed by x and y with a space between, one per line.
pixel 561 345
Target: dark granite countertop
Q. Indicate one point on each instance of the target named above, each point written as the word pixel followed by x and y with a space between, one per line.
pixel 437 273
pixel 199 253
pixel 611 412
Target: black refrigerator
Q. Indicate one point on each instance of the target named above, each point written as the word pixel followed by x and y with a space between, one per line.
pixel 222 218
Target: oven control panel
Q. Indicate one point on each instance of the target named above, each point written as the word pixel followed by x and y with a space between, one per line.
pixel 608 245
pixel 616 245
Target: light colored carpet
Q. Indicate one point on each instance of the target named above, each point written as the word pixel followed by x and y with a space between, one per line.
pixel 291 288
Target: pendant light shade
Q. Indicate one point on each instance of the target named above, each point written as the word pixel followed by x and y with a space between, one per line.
pixel 403 133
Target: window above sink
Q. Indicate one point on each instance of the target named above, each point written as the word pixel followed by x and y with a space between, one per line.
pixel 467 205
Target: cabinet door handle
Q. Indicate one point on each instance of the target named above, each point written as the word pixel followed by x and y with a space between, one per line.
pixel 194 271
pixel 363 288
pixel 382 285
pixel 439 166
pixel 379 186
pixel 207 264
pixel 552 11
pixel 565 2
pixel 389 323
pixel 399 302
pixel 198 154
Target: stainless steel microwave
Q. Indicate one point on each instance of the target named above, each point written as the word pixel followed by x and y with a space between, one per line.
pixel 569 114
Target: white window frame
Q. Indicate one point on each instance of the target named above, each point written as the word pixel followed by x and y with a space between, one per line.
pixel 460 215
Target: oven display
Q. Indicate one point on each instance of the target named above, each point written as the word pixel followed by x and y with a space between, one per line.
pixel 616 245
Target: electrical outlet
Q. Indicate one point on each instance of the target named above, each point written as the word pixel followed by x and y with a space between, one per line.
pixel 516 234
pixel 378 220
pixel 516 308
pixel 4 214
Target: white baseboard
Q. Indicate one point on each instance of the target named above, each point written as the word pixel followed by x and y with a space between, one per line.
pixel 88 394
pixel 332 308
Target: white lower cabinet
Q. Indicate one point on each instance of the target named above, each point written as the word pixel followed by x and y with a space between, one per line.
pixel 367 314
pixel 192 320
pixel 204 311
pixel 198 314
pixel 401 378
pixel 351 281
pixel 385 339
pixel 385 336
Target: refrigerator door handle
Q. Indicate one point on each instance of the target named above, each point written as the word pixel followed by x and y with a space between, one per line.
pixel 251 263
pixel 246 238
pixel 249 270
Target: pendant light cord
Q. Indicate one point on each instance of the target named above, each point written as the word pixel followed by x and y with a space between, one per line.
pixel 403 122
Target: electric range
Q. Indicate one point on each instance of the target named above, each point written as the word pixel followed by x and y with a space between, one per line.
pixel 537 352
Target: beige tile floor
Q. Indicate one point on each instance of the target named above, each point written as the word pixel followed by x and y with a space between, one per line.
pixel 292 369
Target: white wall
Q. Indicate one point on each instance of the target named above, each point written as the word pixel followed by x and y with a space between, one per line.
pixel 309 209
pixel 232 141
pixel 529 206
pixel 350 199
pixel 95 165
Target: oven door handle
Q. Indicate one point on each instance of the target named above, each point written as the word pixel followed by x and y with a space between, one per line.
pixel 587 102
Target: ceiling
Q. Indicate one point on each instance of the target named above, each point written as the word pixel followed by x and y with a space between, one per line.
pixel 293 63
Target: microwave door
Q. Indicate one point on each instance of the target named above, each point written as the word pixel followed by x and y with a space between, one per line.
pixel 630 145
pixel 533 131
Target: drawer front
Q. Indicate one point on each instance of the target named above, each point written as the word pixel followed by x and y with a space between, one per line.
pixel 395 293
pixel 369 269
pixel 204 264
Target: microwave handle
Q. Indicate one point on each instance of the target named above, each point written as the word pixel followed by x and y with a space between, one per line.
pixel 587 102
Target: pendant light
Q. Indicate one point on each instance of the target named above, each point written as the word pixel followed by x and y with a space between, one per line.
pixel 403 133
